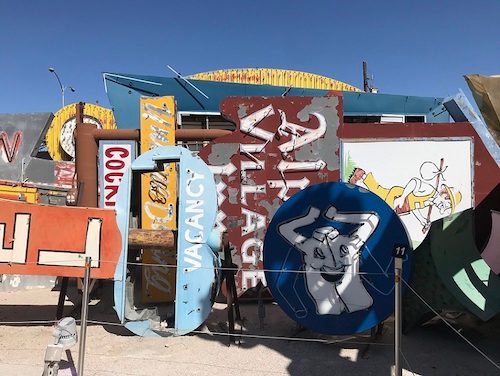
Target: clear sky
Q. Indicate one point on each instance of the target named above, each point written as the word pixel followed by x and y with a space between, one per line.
pixel 418 47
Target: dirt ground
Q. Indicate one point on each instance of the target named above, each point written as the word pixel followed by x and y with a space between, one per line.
pixel 433 349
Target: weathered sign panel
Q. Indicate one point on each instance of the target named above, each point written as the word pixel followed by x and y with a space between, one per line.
pixel 422 180
pixel 159 196
pixel 328 255
pixel 54 240
pixel 59 136
pixel 196 278
pixel 114 158
pixel 280 146
pixel 20 138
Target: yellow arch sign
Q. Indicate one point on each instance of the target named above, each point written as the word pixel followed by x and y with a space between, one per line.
pixel 59 137
pixel 274 77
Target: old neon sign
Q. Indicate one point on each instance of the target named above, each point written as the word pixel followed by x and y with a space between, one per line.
pixel 50 240
pixel 196 277
pixel 114 158
pixel 280 146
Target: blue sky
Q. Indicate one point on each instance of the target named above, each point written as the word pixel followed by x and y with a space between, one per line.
pixel 412 47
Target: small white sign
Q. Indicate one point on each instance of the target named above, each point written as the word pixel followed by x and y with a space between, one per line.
pixel 114 158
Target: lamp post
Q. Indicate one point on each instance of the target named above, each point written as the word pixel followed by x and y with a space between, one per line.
pixel 63 88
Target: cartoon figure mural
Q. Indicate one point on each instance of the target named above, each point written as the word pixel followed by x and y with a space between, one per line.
pixel 418 196
pixel 331 260
pixel 417 188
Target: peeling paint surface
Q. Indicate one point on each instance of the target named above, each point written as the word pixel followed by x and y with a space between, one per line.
pixel 280 146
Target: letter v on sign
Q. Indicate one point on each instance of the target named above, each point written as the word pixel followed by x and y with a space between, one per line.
pixel 10 148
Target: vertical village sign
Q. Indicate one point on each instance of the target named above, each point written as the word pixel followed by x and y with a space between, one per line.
pixel 280 146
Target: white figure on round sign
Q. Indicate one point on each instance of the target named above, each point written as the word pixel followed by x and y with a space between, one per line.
pixel 331 259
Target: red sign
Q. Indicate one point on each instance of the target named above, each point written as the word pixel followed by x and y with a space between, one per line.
pixel 54 240
pixel 10 148
pixel 280 146
pixel 64 174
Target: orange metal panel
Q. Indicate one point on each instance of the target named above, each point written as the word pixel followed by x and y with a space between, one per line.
pixel 159 197
pixel 54 240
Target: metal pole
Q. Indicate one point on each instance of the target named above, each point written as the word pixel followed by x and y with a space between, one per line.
pixel 399 253
pixel 365 77
pixel 83 323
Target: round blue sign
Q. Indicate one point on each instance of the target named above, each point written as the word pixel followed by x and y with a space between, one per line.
pixel 328 255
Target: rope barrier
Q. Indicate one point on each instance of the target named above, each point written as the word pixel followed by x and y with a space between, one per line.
pixel 407 363
pixel 33 322
pixel 256 336
pixel 220 268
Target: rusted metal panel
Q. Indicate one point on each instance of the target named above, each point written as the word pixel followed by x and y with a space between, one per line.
pixel 159 197
pixel 59 240
pixel 275 77
pixel 280 145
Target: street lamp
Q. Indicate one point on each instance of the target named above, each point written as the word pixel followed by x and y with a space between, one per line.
pixel 63 88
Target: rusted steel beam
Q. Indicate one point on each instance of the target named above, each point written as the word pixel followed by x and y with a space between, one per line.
pixel 144 238
pixel 180 134
pixel 86 168
pixel 117 134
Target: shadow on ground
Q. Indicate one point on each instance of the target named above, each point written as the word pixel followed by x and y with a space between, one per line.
pixel 432 349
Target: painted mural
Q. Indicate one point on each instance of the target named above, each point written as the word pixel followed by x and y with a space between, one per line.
pixel 280 146
pixel 422 181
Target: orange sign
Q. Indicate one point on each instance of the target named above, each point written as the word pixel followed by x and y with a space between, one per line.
pixel 159 197
pixel 54 240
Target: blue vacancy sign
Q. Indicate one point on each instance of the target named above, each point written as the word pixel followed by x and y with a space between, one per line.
pixel 328 255
pixel 197 280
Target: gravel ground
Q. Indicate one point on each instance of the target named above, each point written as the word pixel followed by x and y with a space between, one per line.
pixel 433 349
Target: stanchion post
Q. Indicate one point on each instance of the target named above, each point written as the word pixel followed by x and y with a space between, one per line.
pixel 399 254
pixel 83 322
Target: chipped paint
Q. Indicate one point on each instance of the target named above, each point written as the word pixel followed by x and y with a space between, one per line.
pixel 323 147
pixel 221 153
pixel 280 146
